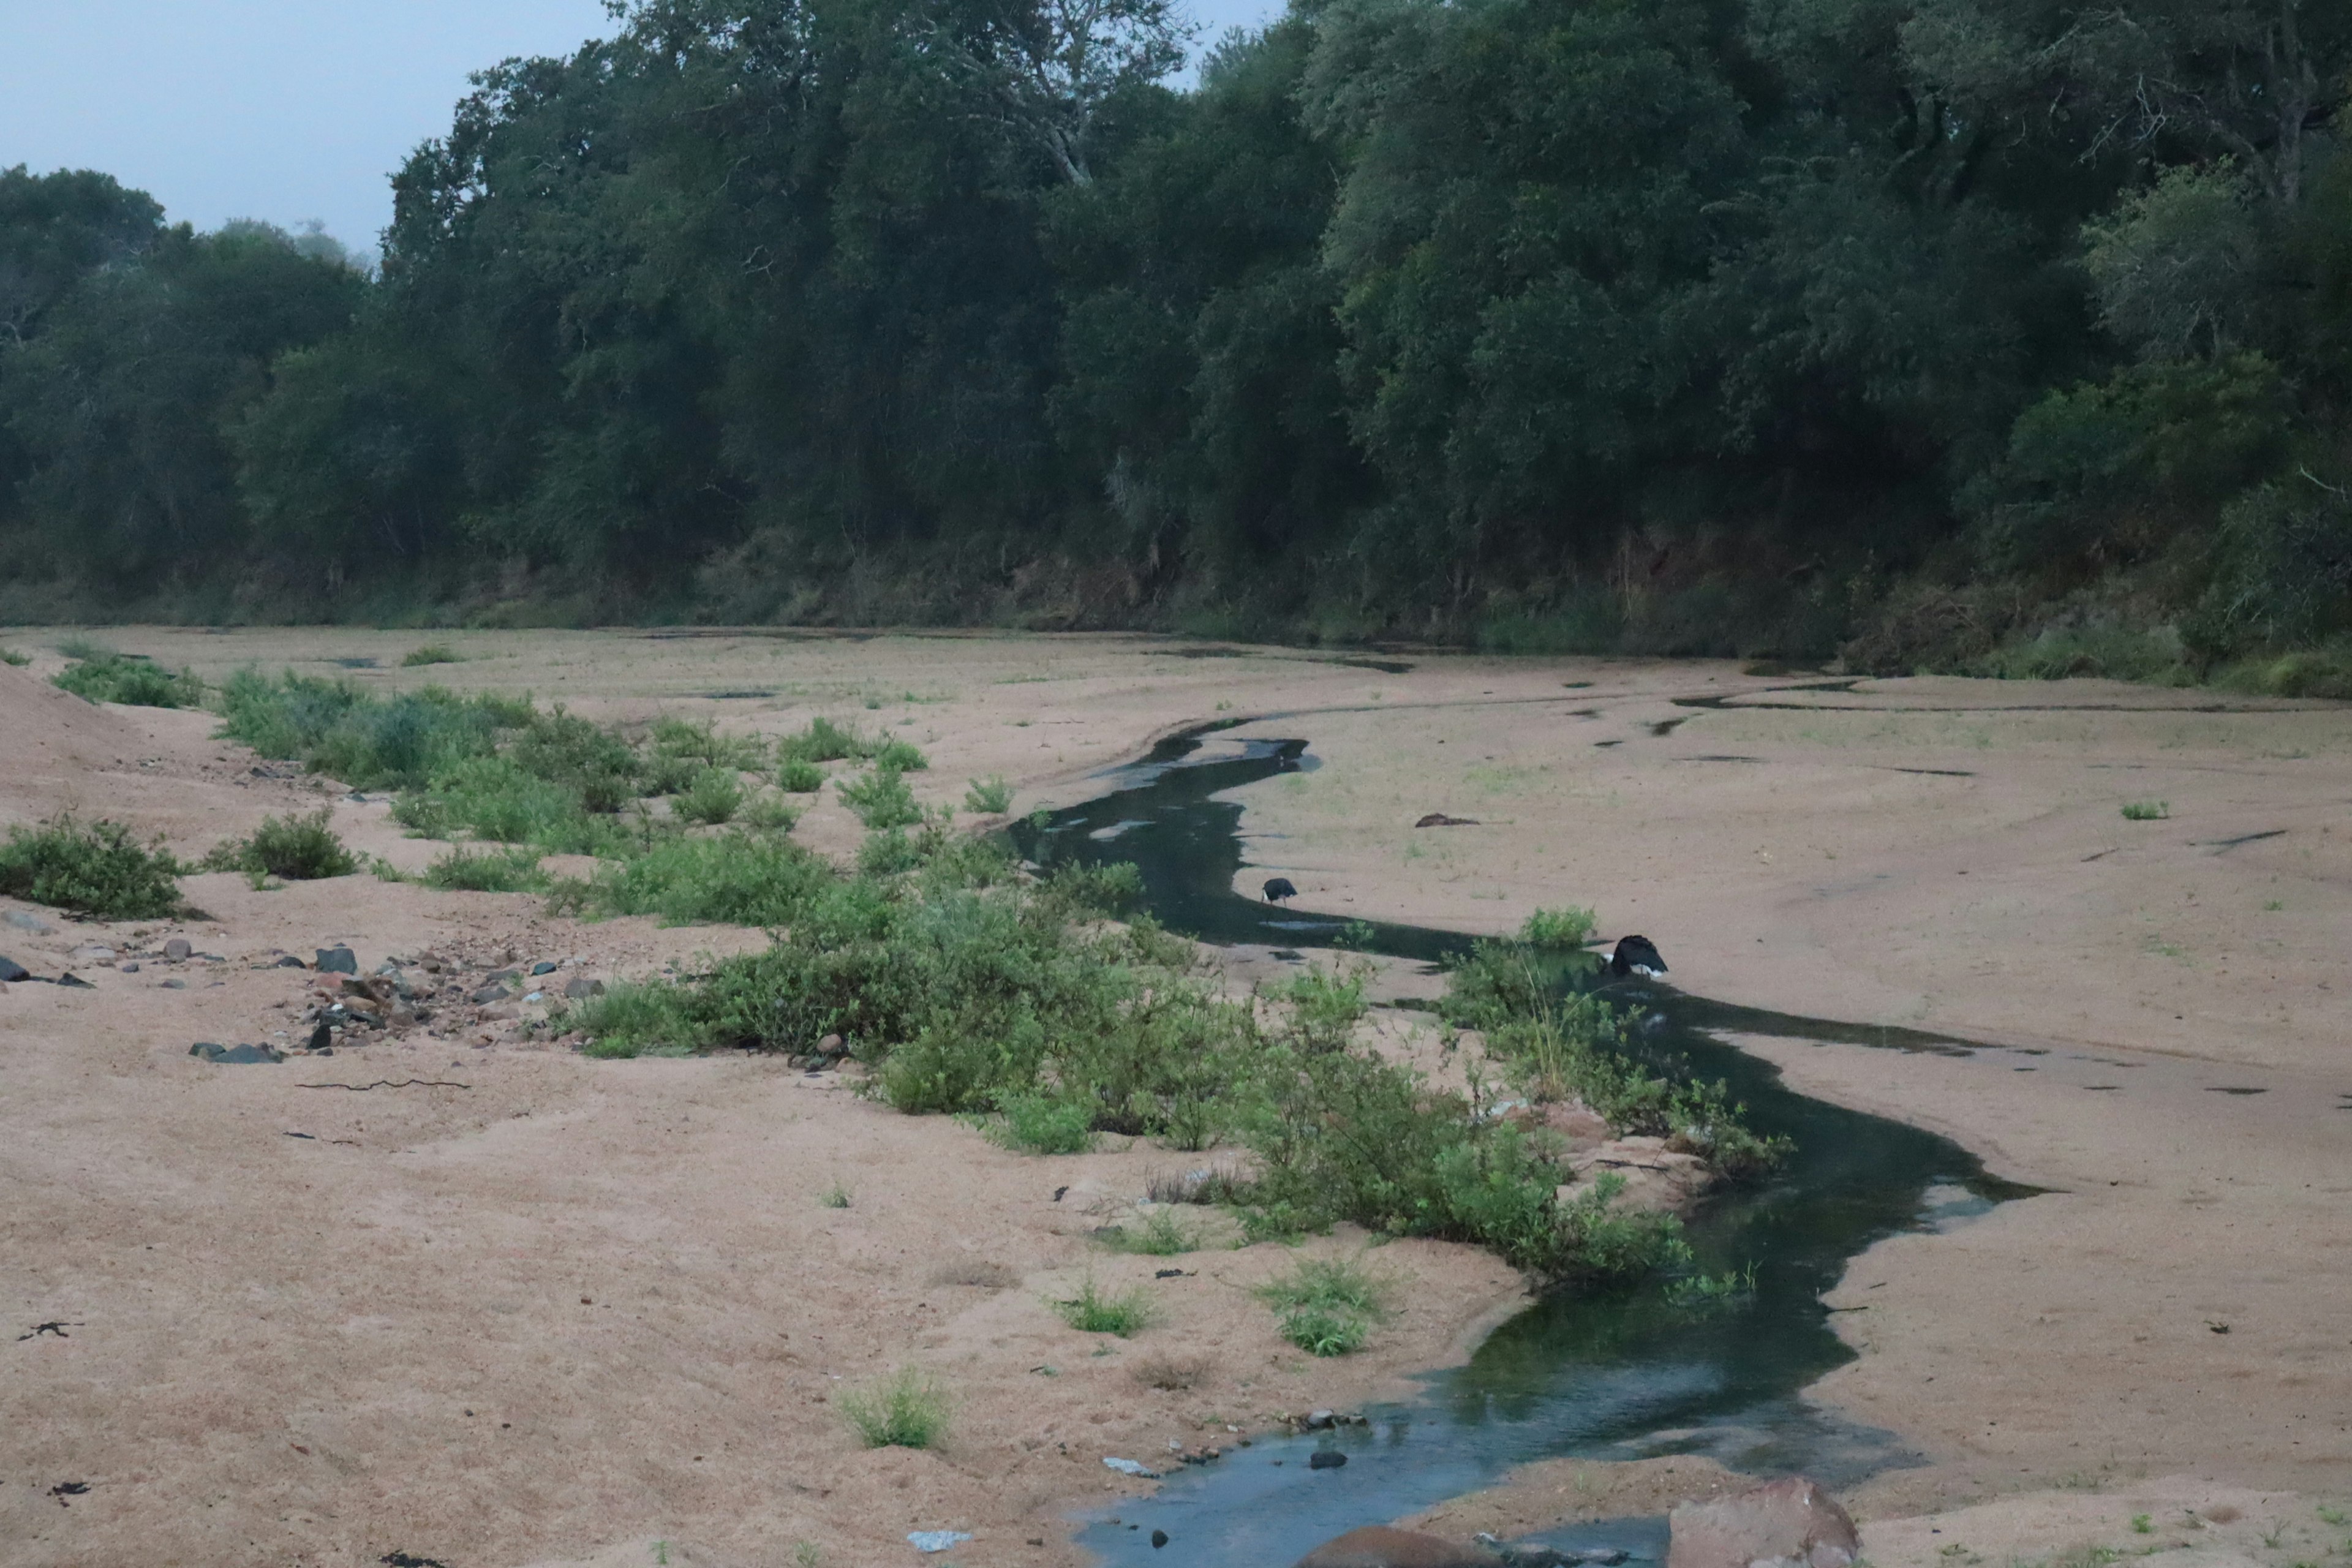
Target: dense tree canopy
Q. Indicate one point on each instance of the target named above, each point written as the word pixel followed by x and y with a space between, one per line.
pixel 1920 327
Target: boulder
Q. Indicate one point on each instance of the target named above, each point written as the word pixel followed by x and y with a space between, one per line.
pixel 338 961
pixel 579 988
pixel 11 970
pixel 1791 1523
pixel 177 949
pixel 1381 1546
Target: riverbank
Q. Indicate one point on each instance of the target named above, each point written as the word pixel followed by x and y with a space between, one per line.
pixel 280 1376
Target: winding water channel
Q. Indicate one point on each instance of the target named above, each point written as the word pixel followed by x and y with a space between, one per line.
pixel 1606 1377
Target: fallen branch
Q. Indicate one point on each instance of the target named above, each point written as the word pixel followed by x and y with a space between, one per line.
pixel 387 1083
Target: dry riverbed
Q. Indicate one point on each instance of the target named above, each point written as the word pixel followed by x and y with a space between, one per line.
pixel 573 1307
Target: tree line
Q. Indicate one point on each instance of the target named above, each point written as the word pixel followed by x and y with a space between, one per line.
pixel 1926 329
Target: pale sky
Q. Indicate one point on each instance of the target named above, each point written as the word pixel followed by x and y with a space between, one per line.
pixel 280 109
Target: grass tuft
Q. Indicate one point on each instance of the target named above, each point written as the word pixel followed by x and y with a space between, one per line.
pixel 798 775
pixel 1091 1312
pixel 645 1020
pixel 9 656
pixel 298 849
pixel 825 742
pixel 903 1410
pixel 431 653
pixel 713 799
pixel 96 870
pixel 2146 810
pixel 836 1196
pixel 989 797
pixel 486 871
pixel 1325 1307
pixel 101 675
pixel 1162 1236
pixel 1043 1124
pixel 881 800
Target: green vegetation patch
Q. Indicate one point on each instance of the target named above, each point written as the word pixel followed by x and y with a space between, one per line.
pixel 2146 810
pixel 1094 1310
pixel 298 849
pixel 1558 930
pixel 101 675
pixel 1325 1307
pixel 96 869
pixel 905 1410
pixel 733 878
pixel 431 653
pixel 332 727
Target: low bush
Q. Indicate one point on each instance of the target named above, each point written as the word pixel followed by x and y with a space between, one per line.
pixel 797 775
pixel 369 742
pixel 1043 1124
pixel 989 797
pixel 9 656
pixel 734 879
pixel 486 871
pixel 900 757
pixel 108 677
pixel 1091 1312
pixel 298 849
pixel 903 1410
pixel 713 799
pixel 1558 930
pixel 431 653
pixel 769 814
pixel 95 869
pixel 703 744
pixel 2146 810
pixel 642 1020
pixel 1162 1236
pixel 881 800
pixel 1325 1307
pixel 824 742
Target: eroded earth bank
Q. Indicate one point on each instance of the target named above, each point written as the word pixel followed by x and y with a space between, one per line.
pixel 574 1308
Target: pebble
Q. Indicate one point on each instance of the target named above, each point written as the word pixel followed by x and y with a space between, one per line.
pixel 336 961
pixel 1326 1460
pixel 129 968
pixel 543 967
pixel 177 949
pixel 175 985
pixel 490 993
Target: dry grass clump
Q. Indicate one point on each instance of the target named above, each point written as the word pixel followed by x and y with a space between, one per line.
pixel 1173 1373
pixel 978 1274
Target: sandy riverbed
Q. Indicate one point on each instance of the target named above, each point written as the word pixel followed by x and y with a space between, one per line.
pixel 623 1271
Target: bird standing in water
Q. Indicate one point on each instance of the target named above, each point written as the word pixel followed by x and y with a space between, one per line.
pixel 1637 955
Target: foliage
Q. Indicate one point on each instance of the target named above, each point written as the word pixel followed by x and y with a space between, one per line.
pixel 486 871
pixel 881 799
pixel 992 797
pixel 713 799
pixel 1162 1236
pixel 2146 810
pixel 369 742
pixel 903 1410
pixel 298 849
pixel 733 878
pixel 798 775
pixel 1325 1307
pixel 1566 929
pixel 95 869
pixel 1041 1125
pixel 9 656
pixel 1094 1311
pixel 431 653
pixel 825 742
pixel 105 675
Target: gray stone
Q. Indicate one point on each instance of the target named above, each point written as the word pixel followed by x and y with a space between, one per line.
pixel 12 970
pixel 489 994
pixel 543 967
pixel 73 982
pixel 289 962
pixel 1791 1523
pixel 177 949
pixel 1381 1546
pixel 579 988
pixel 26 921
pixel 131 968
pixel 233 1055
pixel 92 953
pixel 1318 1420
pixel 338 961
pixel 1326 1460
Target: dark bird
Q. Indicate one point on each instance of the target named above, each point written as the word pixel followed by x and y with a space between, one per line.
pixel 1637 955
pixel 1279 888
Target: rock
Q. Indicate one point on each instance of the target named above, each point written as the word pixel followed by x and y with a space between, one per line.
pixel 1131 1468
pixel 232 1056
pixel 543 967
pixel 336 961
pixel 1381 1546
pixel 833 1046
pixel 73 982
pixel 579 988
pixel 25 921
pixel 12 970
pixel 322 1037
pixel 289 962
pixel 129 968
pixel 175 985
pixel 176 951
pixel 1791 1523
pixel 1317 1420
pixel 1159 1539
pixel 1326 1460
pixel 928 1540
pixel 1439 819
pixel 92 953
pixel 490 993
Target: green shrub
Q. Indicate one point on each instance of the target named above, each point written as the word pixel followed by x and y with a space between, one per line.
pixel 298 849
pixel 825 742
pixel 903 1410
pixel 496 798
pixel 989 797
pixel 1322 1333
pixel 900 757
pixel 96 870
pixel 714 797
pixel 486 871
pixel 889 853
pixel 1325 1007
pixel 881 800
pixel 369 742
pixel 431 653
pixel 702 743
pixel 797 775
pixel 2146 810
pixel 597 765
pixel 1091 1312
pixel 1043 1124
pixel 734 879
pixel 9 656
pixel 769 814
pixel 649 1019
pixel 1558 930
pixel 1162 1236
pixel 109 676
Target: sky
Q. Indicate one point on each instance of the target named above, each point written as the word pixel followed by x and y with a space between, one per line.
pixel 286 111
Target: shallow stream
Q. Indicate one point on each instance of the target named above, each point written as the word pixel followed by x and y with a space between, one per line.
pixel 1607 1378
